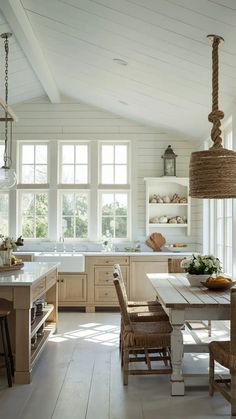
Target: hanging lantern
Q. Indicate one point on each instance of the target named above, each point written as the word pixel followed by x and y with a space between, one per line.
pixel 212 173
pixel 7 174
pixel 169 160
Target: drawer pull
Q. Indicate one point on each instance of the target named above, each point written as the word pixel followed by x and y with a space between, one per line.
pixel 58 280
pixel 106 293
pixel 62 280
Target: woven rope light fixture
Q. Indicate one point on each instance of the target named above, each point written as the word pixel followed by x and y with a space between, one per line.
pixel 212 173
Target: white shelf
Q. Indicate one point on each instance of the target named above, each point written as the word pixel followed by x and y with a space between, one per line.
pixel 167 225
pixel 171 204
pixel 168 186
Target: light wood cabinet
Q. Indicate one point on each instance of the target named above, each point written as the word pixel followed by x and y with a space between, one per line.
pixel 72 289
pixel 140 287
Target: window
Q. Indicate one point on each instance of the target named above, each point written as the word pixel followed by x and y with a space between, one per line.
pixel 34 214
pixel 74 215
pixel 114 214
pixel 74 164
pixel 114 164
pixel 4 210
pixel 220 213
pixel 1 154
pixel 34 163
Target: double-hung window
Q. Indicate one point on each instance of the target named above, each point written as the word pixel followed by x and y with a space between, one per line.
pixel 220 221
pixel 33 194
pixel 114 191
pixel 4 203
pixel 74 198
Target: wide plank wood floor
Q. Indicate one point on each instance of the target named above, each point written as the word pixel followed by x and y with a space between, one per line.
pixel 79 376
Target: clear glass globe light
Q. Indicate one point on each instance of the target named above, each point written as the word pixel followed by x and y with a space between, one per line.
pixel 7 178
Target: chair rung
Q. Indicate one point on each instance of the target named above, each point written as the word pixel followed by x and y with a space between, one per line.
pixel 153 371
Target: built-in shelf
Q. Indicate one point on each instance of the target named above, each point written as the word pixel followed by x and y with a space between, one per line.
pixel 168 186
pixel 42 340
pixel 41 319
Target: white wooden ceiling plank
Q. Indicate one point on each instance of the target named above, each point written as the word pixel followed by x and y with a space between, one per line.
pixel 188 27
pixel 17 19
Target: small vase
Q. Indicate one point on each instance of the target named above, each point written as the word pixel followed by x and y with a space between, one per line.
pixel 5 256
pixel 195 280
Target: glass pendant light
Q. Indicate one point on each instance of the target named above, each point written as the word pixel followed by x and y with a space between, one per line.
pixel 7 174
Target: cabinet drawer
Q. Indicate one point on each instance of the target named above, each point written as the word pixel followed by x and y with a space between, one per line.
pixel 105 294
pixel 51 279
pixel 38 288
pixel 104 275
pixel 111 260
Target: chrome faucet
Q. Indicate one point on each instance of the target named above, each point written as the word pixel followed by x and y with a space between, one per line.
pixel 63 241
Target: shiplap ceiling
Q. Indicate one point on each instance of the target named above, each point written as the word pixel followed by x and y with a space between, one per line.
pixel 167 82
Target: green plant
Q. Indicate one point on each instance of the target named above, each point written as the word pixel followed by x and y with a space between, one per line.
pixel 202 265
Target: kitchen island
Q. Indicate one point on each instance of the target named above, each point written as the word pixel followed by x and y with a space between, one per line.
pixel 18 290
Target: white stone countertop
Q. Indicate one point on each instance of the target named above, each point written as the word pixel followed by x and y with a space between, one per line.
pixel 31 272
pixel 97 253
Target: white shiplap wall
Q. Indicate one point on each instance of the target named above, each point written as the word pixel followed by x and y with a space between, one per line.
pixel 41 120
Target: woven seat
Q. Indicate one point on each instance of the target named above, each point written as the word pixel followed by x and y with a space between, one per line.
pixel 224 353
pixel 151 335
pixel 141 341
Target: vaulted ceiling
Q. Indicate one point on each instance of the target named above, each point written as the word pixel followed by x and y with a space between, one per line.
pixel 71 47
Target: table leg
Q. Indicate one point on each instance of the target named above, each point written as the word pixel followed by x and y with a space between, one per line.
pixel 177 349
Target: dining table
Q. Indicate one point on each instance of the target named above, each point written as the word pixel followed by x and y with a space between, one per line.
pixel 184 303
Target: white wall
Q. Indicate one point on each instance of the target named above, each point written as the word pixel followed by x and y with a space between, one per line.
pixel 41 120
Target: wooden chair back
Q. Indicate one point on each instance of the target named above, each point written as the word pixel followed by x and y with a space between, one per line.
pixel 174 266
pixel 119 291
pixel 117 268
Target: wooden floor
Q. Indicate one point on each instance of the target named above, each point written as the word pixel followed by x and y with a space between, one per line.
pixel 78 376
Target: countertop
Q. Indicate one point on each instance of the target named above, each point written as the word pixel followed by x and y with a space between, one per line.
pixel 31 272
pixel 97 253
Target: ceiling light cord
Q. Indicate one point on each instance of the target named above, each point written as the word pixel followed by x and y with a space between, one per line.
pixel 216 115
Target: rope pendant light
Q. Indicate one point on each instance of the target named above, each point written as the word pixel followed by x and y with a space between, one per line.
pixel 212 173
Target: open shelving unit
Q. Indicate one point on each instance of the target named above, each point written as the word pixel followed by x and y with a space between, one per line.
pixel 49 328
pixel 167 186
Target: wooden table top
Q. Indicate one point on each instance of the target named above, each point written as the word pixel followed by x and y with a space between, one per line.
pixel 174 291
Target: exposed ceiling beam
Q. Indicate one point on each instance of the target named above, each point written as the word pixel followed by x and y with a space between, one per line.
pixel 22 29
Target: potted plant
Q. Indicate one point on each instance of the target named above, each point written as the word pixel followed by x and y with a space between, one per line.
pixel 7 245
pixel 199 268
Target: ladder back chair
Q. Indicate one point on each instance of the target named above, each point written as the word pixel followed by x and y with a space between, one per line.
pixel 224 352
pixel 139 339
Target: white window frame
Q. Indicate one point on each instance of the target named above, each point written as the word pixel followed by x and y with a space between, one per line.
pixel 60 230
pixel 8 219
pixel 19 216
pixel 114 185
pixel 20 145
pixel 114 239
pixel 73 185
pixel 210 210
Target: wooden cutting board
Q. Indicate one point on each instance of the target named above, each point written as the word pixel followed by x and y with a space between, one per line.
pixel 156 241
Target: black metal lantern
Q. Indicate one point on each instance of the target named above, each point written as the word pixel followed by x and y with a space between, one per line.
pixel 169 159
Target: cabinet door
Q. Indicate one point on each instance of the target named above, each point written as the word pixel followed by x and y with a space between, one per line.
pixel 73 288
pixel 140 287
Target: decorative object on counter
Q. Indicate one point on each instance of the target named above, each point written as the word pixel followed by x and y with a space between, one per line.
pixel 19 241
pixel 169 160
pixel 107 242
pixel 212 173
pixel 175 247
pixel 156 241
pixel 199 268
pixel 7 174
pixel 7 245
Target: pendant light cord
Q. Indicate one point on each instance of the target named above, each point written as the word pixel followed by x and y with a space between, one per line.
pixel 216 115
